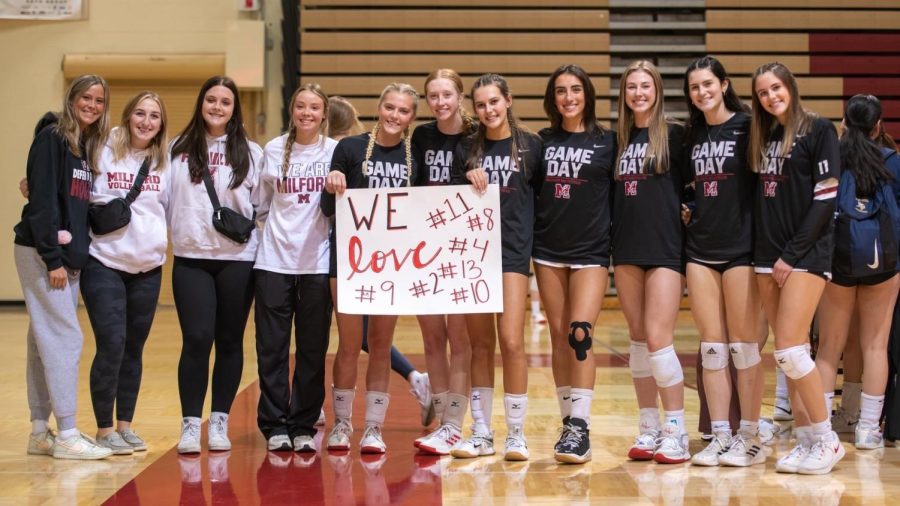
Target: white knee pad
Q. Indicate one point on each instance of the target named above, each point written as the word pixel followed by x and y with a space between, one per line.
pixel 795 361
pixel 666 367
pixel 744 355
pixel 639 360
pixel 714 356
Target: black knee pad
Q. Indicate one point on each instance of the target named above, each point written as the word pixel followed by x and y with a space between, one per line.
pixel 581 347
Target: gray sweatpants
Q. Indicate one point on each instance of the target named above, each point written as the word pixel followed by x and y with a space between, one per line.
pixel 54 341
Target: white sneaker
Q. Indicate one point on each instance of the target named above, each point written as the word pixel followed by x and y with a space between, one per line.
pixel 672 446
pixel 321 421
pixel 767 431
pixel 41 444
pixel 538 318
pixel 441 441
pixel 279 443
pixel 190 435
pixel 824 454
pixel 644 446
pixel 418 441
pixel 339 439
pixel 114 442
pixel 868 439
pixel 478 445
pixel 843 422
pixel 790 463
pixel 709 457
pixel 516 448
pixel 743 452
pixel 371 441
pixel 79 447
pixel 421 390
pixel 305 444
pixel 782 410
pixel 217 432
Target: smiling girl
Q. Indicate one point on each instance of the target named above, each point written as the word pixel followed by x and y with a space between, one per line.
pixel 357 163
pixel 797 157
pixel 503 153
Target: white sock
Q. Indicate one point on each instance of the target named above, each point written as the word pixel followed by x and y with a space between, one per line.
pixel 343 402
pixel 455 411
pixel 582 398
pixel 803 435
pixel 820 429
pixel 649 420
pixel 749 427
pixel 439 401
pixel 850 394
pixel 781 388
pixel 39 426
pixel 535 306
pixel 676 417
pixel 870 412
pixel 829 402
pixel 720 426
pixel 376 407
pixel 565 403
pixel 68 433
pixel 482 401
pixel 515 406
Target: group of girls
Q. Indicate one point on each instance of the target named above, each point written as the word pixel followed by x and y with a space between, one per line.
pixel 575 199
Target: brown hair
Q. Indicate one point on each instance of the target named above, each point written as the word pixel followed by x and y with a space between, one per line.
pixel 343 120
pixel 797 120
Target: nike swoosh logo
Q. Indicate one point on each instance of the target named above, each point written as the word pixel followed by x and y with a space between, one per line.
pixel 874 265
pixel 738 132
pixel 599 145
pixel 477 446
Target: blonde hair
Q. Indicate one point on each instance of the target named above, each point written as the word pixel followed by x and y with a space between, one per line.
pixel 403 89
pixel 94 136
pixel 797 120
pixel 658 131
pixel 469 123
pixel 343 120
pixel 292 129
pixel 121 137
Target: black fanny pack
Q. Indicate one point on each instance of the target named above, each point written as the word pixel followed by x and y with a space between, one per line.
pixel 116 213
pixel 227 221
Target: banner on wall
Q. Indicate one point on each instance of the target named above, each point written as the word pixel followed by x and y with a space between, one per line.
pixel 419 250
pixel 42 9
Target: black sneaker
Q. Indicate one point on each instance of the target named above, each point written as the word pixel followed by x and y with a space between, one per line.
pixel 562 434
pixel 574 446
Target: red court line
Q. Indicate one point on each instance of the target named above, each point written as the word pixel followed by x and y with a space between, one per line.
pixel 248 474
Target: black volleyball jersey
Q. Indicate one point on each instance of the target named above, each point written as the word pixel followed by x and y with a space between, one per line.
pixel 387 167
pixel 519 181
pixel 721 227
pixel 789 225
pixel 433 152
pixel 646 221
pixel 572 213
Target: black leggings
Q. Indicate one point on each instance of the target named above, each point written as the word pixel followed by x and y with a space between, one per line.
pixel 121 307
pixel 212 298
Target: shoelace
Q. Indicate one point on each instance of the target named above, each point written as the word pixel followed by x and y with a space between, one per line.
pixel 668 442
pixel 738 443
pixel 218 425
pixel 645 439
pixel 797 452
pixel 193 431
pixel 573 437
pixel 373 431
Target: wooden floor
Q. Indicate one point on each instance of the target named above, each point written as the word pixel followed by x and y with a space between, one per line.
pixel 249 475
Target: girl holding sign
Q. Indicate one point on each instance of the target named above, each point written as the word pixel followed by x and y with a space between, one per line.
pixel 504 153
pixel 572 265
pixel 212 275
pixel 719 245
pixel 291 273
pixel 647 249
pixel 356 164
pixel 797 157
pixel 433 147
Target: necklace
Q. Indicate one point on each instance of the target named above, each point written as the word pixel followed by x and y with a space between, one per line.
pixel 710 136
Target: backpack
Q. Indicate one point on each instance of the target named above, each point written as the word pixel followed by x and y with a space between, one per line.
pixel 866 230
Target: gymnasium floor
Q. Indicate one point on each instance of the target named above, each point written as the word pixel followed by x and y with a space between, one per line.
pixel 250 475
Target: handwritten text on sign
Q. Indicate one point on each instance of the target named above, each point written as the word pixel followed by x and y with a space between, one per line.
pixel 421 250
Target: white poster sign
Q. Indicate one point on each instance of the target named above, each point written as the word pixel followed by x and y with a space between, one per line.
pixel 41 9
pixel 419 250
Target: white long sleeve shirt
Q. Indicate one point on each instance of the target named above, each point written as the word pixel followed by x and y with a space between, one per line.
pixel 295 232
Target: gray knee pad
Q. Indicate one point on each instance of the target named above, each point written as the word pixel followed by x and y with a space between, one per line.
pixel 714 356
